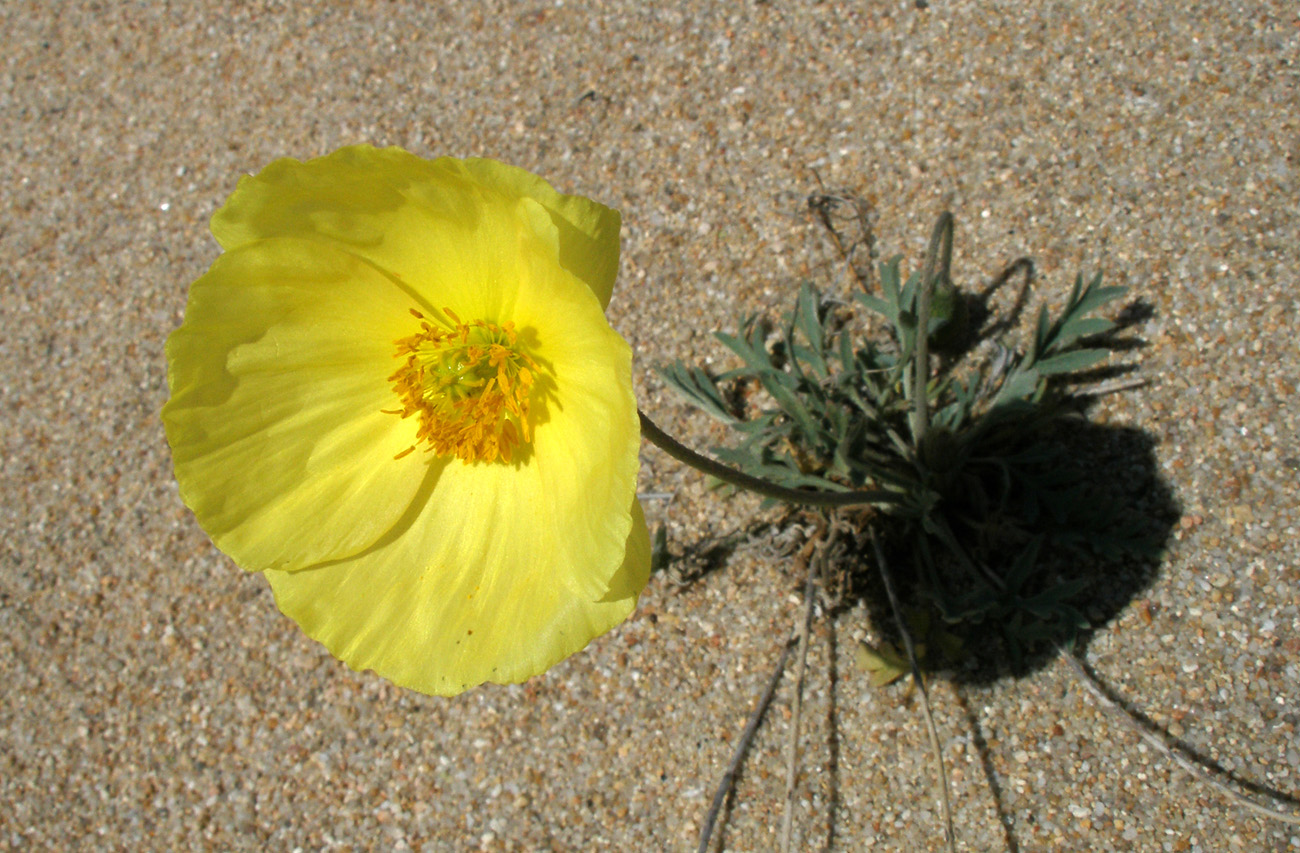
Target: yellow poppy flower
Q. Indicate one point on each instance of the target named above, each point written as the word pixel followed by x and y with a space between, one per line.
pixel 397 395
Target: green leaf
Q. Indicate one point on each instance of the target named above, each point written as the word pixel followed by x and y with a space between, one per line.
pixel 1042 339
pixel 883 664
pixel 802 355
pixel 1023 564
pixel 699 388
pixel 1070 362
pixel 882 307
pixel 808 316
pixel 844 350
pixel 1094 297
pixel 755 359
pixel 793 407
pixel 1020 385
pixel 1081 328
pixel 889 279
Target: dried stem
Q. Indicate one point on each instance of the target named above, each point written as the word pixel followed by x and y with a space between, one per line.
pixel 729 778
pixel 815 566
pixel 1115 385
pixel 821 205
pixel 920 684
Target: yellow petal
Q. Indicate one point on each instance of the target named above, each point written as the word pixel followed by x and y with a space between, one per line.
pixel 278 377
pixel 587 232
pixel 445 222
pixel 442 627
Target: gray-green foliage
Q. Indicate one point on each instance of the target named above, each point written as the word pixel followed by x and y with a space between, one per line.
pixel 982 485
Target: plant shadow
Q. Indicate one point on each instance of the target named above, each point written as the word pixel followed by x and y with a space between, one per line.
pixel 1104 547
pixel 1051 526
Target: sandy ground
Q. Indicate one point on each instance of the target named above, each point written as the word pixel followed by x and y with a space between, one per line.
pixel 155 699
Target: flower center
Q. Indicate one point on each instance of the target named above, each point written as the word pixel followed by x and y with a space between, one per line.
pixel 469 384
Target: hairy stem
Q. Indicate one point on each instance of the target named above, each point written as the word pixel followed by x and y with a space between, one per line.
pixel 704 464
pixel 940 239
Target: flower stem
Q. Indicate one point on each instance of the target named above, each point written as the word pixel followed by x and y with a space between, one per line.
pixel 704 464
pixel 940 240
